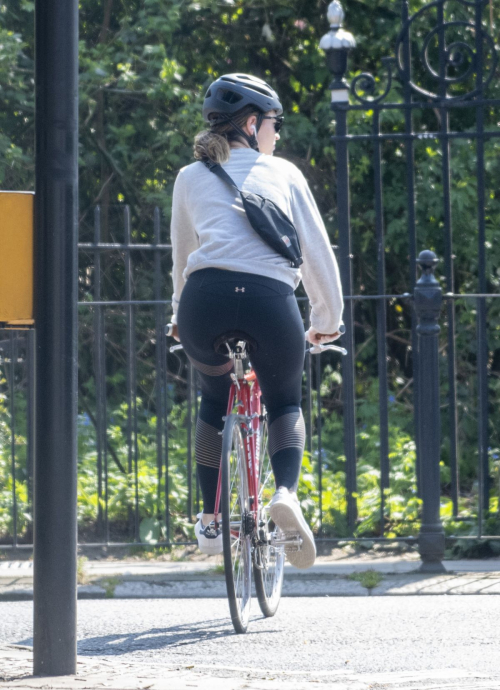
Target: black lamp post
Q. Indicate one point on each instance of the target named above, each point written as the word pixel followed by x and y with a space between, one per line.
pixel 337 43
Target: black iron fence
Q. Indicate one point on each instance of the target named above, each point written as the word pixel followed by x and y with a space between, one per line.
pixel 376 466
pixel 444 63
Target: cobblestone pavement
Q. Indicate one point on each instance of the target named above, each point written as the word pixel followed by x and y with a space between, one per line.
pixel 403 643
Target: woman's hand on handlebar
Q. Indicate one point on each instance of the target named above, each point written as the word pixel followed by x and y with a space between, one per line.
pixel 317 338
pixel 173 331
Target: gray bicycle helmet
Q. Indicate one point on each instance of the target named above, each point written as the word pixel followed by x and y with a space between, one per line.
pixel 232 92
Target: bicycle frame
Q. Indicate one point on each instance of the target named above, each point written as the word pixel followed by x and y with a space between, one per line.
pixel 245 394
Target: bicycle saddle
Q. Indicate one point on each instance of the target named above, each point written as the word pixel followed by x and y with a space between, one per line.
pixel 231 338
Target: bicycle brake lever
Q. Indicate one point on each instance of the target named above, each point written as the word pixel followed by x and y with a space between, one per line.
pixel 318 349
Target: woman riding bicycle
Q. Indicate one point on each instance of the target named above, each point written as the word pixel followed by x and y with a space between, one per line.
pixel 228 280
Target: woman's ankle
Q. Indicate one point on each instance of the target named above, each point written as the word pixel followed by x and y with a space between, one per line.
pixel 207 518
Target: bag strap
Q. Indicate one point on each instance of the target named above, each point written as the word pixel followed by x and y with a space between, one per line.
pixel 221 173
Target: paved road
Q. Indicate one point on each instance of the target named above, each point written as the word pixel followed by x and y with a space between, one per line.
pixel 401 642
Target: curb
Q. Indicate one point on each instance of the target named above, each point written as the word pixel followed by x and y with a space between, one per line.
pixel 199 586
pixel 203 579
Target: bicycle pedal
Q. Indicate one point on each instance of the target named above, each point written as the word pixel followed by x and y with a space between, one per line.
pixel 291 540
pixel 292 536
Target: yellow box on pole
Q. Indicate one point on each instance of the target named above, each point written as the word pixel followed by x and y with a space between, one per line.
pixel 16 259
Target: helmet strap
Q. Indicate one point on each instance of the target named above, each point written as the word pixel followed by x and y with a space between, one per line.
pixel 252 139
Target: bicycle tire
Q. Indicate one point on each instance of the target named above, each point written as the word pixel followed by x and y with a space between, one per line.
pixel 235 509
pixel 269 560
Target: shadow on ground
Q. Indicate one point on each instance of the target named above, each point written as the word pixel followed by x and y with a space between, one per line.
pixel 156 638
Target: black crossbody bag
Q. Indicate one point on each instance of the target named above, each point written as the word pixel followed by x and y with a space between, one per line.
pixel 267 219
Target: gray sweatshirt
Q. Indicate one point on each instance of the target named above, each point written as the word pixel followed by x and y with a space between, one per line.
pixel 210 229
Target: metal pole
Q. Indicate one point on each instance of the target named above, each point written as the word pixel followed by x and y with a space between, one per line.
pixel 345 263
pixel 336 44
pixel 100 389
pixel 381 322
pixel 428 300
pixel 13 358
pixel 412 222
pixel 160 359
pixel 320 442
pixel 449 260
pixel 30 421
pixel 190 440
pixel 482 311
pixel 308 389
pixel 56 175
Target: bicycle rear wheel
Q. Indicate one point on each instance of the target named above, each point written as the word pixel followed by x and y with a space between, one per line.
pixel 236 527
pixel 269 559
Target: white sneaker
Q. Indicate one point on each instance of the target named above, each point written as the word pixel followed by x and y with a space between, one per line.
pixel 209 537
pixel 286 513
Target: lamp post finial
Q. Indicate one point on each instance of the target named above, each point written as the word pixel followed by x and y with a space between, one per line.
pixel 335 14
pixel 336 44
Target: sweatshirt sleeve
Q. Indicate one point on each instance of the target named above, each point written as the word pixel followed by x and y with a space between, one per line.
pixel 320 272
pixel 183 237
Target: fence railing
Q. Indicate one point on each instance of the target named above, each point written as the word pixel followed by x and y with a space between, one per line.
pixel 138 406
pixel 137 452
pixel 435 74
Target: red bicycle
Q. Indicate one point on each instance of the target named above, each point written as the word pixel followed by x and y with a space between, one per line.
pixel 251 541
pixel 245 487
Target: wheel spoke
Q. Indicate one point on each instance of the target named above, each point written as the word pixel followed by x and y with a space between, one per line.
pixel 237 545
pixel 236 586
pixel 269 578
pixel 266 483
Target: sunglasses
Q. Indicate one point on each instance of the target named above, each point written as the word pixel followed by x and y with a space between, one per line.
pixel 279 121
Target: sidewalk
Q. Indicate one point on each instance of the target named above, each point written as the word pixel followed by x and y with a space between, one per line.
pixel 16 662
pixel 184 579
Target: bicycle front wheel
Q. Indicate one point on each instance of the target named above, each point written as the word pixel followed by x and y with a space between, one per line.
pixel 269 557
pixel 236 524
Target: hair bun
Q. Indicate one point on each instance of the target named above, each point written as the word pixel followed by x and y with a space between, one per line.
pixel 211 146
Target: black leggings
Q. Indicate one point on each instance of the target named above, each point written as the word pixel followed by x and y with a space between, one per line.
pixel 215 302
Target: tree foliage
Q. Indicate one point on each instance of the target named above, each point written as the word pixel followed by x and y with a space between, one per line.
pixel 144 68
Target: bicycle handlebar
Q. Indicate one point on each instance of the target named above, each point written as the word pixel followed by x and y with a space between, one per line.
pixel 313 350
pixel 318 349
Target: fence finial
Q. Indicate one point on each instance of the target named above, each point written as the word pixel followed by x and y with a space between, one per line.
pixel 427 261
